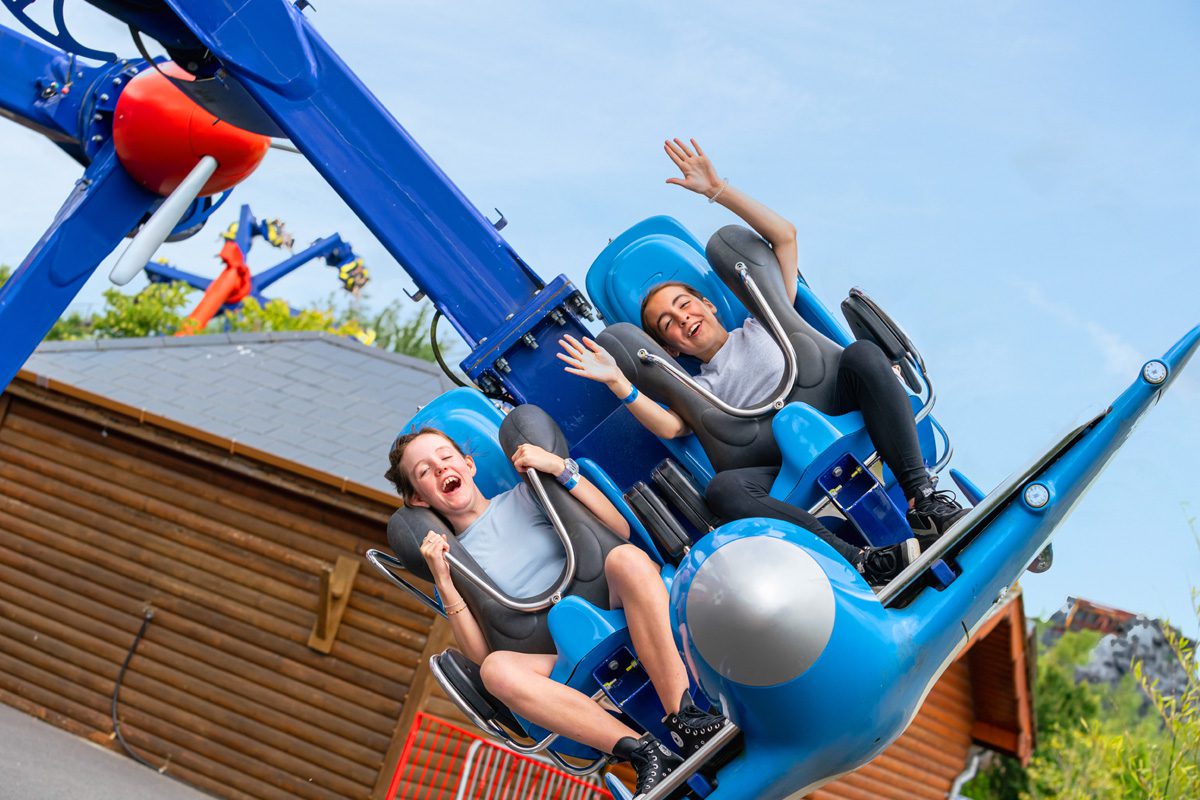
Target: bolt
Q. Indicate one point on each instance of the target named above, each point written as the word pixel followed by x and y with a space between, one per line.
pixel 837 472
pixel 117 81
pixel 133 70
pixel 529 341
pixel 510 316
pixel 557 316
pixel 614 665
pixel 97 117
pixel 97 138
pixel 501 365
pixel 102 98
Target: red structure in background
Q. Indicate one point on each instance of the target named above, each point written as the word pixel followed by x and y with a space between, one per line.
pixel 1085 615
pixel 442 761
pixel 231 286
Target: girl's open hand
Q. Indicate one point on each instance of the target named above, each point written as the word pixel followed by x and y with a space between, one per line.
pixel 699 174
pixel 589 360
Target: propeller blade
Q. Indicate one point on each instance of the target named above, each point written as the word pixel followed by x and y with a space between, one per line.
pixel 162 222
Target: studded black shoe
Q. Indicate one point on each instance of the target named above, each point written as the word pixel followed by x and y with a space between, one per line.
pixel 651 761
pixel 691 728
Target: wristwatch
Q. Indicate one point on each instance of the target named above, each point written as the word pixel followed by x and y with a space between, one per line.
pixel 570 474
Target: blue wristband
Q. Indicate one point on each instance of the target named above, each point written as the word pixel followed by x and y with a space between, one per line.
pixel 633 395
pixel 572 483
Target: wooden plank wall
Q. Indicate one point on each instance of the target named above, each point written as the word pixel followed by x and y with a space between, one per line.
pixel 923 763
pixel 97 525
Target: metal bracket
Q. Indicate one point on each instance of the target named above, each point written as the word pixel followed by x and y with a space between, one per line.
pixel 336 584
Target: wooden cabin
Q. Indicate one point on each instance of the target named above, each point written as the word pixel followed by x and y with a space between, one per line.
pixel 224 488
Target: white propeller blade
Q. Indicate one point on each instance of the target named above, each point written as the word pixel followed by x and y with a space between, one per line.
pixel 161 223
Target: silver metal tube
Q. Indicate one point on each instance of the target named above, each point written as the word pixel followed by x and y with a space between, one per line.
pixel 777 333
pixel 977 516
pixel 384 562
pixel 689 768
pixel 527 606
pixel 945 459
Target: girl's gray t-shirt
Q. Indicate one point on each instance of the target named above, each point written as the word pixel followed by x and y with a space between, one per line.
pixel 746 369
pixel 515 544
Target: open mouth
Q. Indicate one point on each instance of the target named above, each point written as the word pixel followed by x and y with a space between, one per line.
pixel 451 484
pixel 692 330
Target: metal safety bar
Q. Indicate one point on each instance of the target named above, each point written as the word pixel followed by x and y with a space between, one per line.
pixel 385 562
pixel 777 333
pixel 527 606
pixel 494 729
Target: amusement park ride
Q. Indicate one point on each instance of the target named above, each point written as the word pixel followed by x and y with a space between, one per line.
pixel 775 627
pixel 226 292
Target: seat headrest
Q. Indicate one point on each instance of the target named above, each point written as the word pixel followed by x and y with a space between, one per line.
pixel 656 250
pixel 471 420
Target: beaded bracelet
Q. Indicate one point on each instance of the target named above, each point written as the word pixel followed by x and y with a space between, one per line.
pixel 724 186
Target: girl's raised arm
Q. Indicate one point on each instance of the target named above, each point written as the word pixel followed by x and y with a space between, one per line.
pixel 700 176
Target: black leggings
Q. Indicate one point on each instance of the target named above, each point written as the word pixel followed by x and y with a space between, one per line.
pixel 866 383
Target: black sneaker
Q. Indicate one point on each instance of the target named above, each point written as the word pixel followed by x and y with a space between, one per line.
pixel 933 515
pixel 878 565
pixel 691 728
pixel 651 761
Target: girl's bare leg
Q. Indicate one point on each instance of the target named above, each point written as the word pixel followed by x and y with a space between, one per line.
pixel 635 585
pixel 521 681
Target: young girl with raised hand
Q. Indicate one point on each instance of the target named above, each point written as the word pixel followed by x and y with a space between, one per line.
pixel 742 366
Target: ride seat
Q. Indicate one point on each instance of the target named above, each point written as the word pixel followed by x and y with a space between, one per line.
pixel 812 439
pixel 733 442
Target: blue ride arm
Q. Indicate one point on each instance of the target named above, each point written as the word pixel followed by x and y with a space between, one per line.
pixel 102 208
pixel 452 252
pixel 318 249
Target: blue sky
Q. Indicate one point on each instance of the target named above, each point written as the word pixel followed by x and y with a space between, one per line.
pixel 1016 182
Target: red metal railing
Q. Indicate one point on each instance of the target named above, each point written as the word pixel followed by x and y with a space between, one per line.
pixel 442 761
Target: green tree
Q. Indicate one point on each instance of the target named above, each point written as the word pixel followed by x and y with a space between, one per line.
pixel 1132 741
pixel 160 310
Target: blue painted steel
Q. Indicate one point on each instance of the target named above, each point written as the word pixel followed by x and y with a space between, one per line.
pixel 971 492
pixel 104 205
pixel 903 649
pixel 861 497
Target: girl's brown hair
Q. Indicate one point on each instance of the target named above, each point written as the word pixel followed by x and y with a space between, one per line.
pixel 397 475
pixel 649 327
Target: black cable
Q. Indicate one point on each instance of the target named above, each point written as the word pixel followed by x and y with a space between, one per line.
pixel 117 693
pixel 437 351
pixel 503 397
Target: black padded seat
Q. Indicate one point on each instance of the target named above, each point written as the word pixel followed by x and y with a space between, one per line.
pixel 504 628
pixel 734 442
pixel 463 675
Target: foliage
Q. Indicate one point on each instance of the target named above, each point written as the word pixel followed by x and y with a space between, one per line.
pixel 154 311
pixel 1128 742
pixel 159 310
pixel 277 315
pixel 396 330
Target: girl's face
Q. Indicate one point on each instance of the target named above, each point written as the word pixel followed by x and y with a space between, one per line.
pixel 441 477
pixel 684 323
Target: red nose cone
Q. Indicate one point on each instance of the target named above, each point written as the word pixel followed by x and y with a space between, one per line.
pixel 160 134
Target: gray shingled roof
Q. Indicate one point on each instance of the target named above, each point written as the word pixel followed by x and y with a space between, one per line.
pixel 327 402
